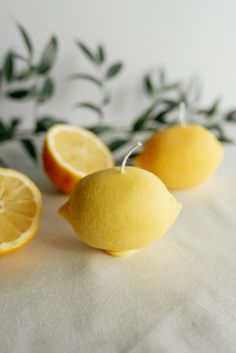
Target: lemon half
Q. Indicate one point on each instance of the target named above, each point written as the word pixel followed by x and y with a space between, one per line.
pixel 70 153
pixel 20 210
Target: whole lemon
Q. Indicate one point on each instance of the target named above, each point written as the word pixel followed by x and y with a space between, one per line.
pixel 119 212
pixel 182 156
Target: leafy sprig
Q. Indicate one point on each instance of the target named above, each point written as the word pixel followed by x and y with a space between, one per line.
pixel 164 98
pixel 26 78
pixel 104 72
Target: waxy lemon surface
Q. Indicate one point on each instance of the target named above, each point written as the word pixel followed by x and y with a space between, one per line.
pixel 181 156
pixel 118 212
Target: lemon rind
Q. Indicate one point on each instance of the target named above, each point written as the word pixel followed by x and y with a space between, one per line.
pixel 26 236
pixel 51 145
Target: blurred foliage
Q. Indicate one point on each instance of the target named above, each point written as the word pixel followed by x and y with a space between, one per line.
pixel 164 97
pixel 23 78
pixel 26 78
pixel 104 73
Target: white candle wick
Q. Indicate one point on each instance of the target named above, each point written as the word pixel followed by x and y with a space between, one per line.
pixel 182 113
pixel 130 151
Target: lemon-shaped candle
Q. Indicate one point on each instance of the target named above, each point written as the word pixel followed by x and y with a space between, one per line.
pixel 182 156
pixel 120 209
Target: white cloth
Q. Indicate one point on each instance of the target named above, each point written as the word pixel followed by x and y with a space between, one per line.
pixel 177 295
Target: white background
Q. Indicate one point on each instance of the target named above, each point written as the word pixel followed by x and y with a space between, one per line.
pixel 187 37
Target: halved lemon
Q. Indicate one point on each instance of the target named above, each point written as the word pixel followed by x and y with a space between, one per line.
pixel 70 153
pixel 20 210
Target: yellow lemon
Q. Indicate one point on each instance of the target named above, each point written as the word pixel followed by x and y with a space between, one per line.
pixel 20 210
pixel 182 156
pixel 120 210
pixel 70 153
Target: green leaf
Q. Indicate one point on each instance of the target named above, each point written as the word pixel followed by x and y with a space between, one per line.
pixel 100 129
pixel 161 115
pixel 220 133
pixel 142 119
pixel 12 128
pixel 2 125
pixel 46 91
pixel 212 110
pixel 7 131
pixel 116 144
pixel 24 74
pixel 101 54
pixel 45 122
pixel 114 69
pixel 48 56
pixel 15 122
pixel 8 67
pixel 30 148
pixel 214 127
pixel 91 106
pixel 171 102
pixel 148 86
pixel 4 133
pixel 26 38
pixel 88 53
pixel 225 139
pixel 20 93
pixel 20 57
pixel 87 77
pixel 138 125
pixel 231 116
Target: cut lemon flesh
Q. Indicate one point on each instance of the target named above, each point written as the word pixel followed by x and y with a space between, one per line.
pixel 20 210
pixel 71 153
